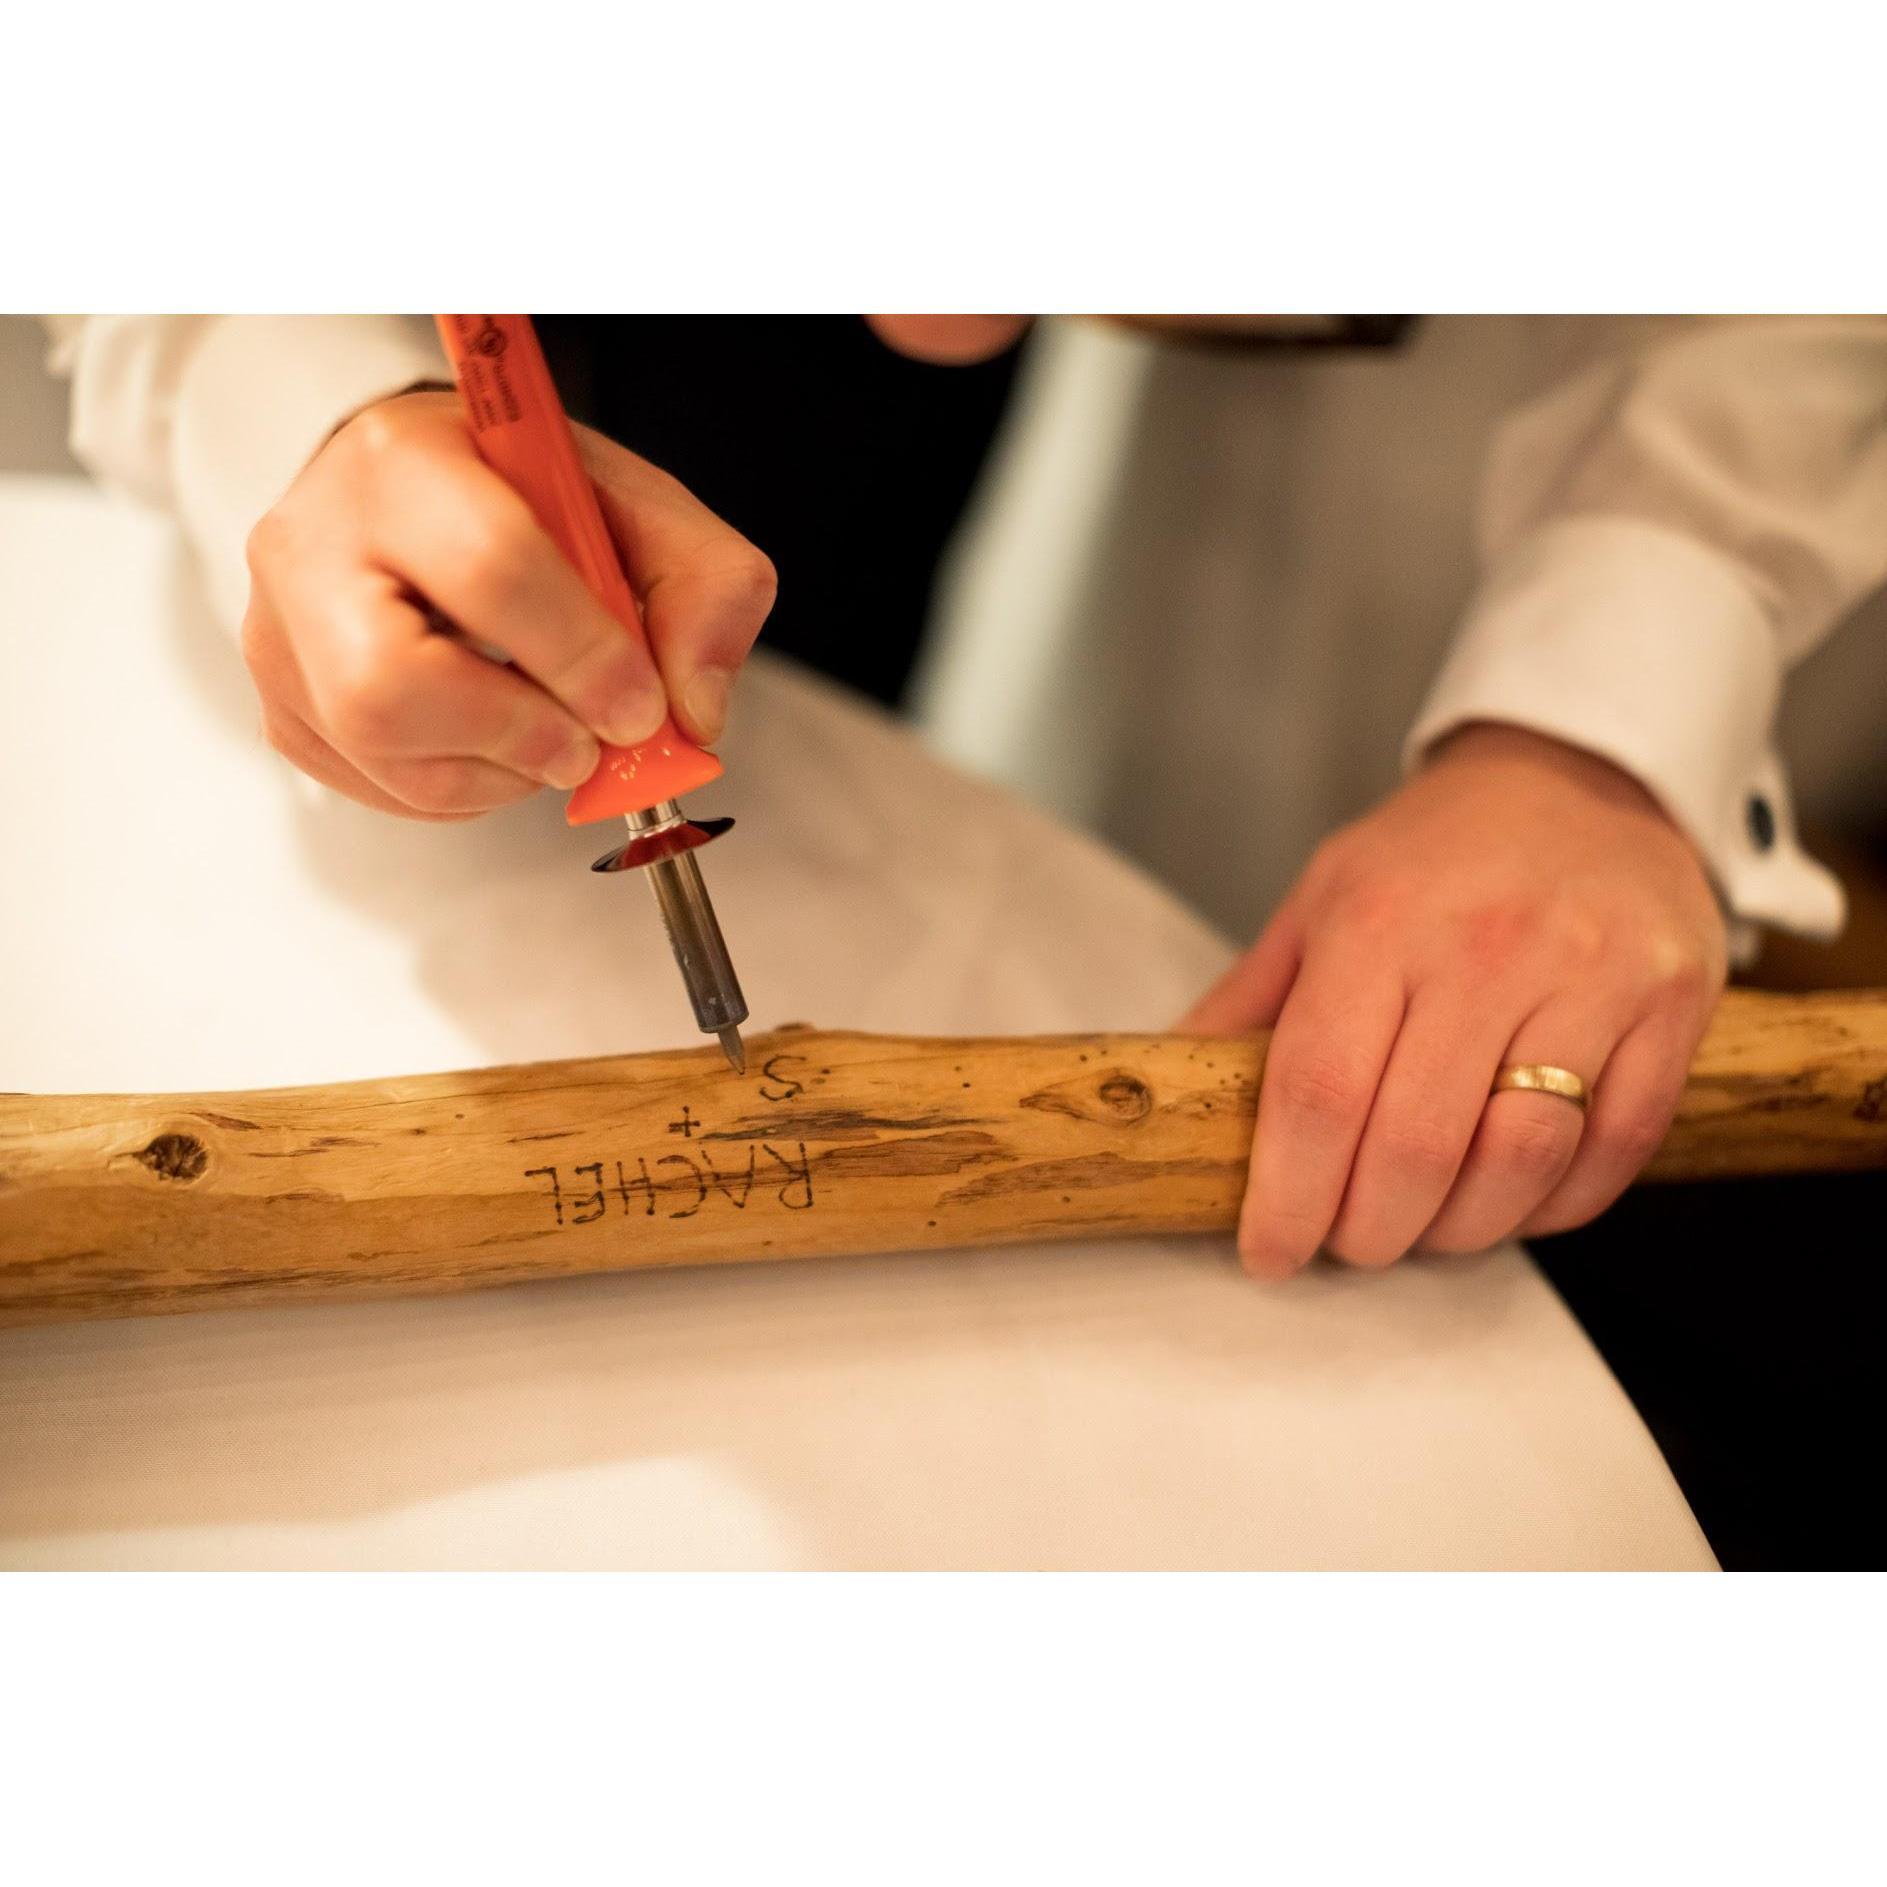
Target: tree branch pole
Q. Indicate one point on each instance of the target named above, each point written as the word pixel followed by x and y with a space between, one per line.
pixel 128 1205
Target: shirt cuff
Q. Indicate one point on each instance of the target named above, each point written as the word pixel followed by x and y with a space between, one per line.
pixel 258 397
pixel 1642 646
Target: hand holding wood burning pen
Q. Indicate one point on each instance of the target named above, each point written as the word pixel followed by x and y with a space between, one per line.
pixel 398 524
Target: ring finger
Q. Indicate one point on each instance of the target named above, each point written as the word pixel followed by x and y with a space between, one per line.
pixel 1638 1092
pixel 1525 1141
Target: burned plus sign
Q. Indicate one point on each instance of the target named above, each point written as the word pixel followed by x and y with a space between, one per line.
pixel 685 1126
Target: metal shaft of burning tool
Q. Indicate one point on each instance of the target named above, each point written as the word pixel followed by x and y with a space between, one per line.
pixel 694 934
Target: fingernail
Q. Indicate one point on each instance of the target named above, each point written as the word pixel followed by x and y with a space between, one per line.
pixel 706 701
pixel 634 719
pixel 573 765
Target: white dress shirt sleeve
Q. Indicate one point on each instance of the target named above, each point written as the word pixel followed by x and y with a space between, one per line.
pixel 211 416
pixel 1662 536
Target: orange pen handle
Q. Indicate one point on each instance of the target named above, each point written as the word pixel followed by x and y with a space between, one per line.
pixel 521 431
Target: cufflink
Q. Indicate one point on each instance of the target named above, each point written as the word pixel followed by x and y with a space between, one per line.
pixel 1760 819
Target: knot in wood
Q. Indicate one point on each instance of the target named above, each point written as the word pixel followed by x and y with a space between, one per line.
pixel 1111 1097
pixel 1126 1096
pixel 181 1157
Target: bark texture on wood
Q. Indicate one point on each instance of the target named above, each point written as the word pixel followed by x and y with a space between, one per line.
pixel 124 1205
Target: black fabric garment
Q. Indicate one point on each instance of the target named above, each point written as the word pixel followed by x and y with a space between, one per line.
pixel 1744 1320
pixel 846 463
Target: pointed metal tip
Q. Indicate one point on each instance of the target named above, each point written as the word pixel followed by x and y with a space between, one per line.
pixel 733 1048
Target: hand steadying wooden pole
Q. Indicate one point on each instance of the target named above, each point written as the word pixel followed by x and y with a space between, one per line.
pixel 125 1205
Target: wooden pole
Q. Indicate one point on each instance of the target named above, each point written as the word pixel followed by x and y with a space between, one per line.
pixel 125 1205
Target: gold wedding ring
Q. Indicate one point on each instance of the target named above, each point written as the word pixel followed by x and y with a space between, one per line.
pixel 1538 1077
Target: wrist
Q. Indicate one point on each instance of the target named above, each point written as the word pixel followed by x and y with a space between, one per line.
pixel 1506 745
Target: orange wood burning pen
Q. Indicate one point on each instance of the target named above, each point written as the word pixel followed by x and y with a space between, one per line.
pixel 521 431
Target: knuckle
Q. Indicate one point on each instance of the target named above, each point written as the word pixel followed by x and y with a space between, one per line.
pixel 440 789
pixel 1495 931
pixel 253 637
pixel 1683 968
pixel 1373 904
pixel 365 713
pixel 1422 1148
pixel 1330 865
pixel 1684 977
pixel 373 432
pixel 1633 1137
pixel 1323 1087
pixel 1535 1145
pixel 754 581
pixel 592 676
pixel 1581 942
pixel 539 744
pixel 263 544
pixel 532 745
pixel 1320 866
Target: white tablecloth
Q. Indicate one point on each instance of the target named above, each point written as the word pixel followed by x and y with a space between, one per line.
pixel 180 912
